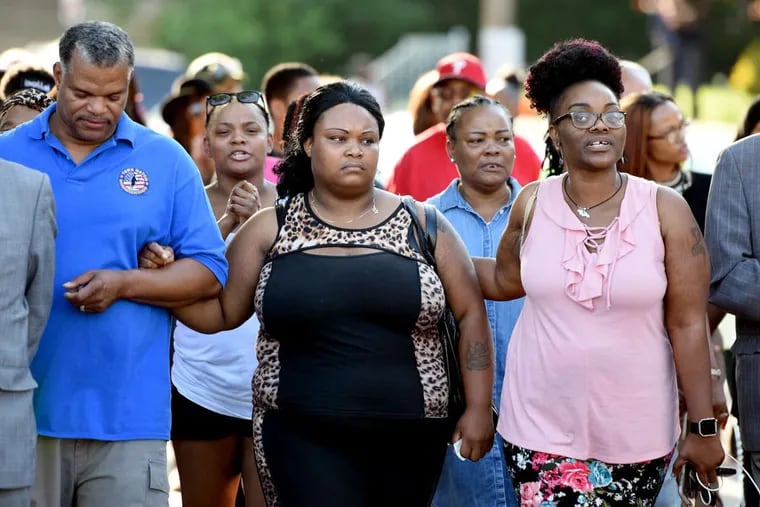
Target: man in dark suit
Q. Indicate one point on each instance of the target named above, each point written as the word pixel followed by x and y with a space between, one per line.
pixel 732 234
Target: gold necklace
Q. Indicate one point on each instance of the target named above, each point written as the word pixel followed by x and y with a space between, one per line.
pixel 583 211
pixel 320 214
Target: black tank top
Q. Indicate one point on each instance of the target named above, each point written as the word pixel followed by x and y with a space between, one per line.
pixel 348 335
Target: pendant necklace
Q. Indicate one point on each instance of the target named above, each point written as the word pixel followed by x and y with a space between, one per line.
pixel 583 211
pixel 372 209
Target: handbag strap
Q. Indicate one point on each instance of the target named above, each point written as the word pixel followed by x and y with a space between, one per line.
pixel 527 215
pixel 281 209
pixel 425 237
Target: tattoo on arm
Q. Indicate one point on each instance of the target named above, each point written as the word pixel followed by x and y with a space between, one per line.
pixel 478 356
pixel 698 248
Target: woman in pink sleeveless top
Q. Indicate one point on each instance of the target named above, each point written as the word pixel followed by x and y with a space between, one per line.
pixel 615 275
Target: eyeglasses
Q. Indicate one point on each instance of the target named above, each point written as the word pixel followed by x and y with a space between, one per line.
pixel 675 134
pixel 244 97
pixel 587 119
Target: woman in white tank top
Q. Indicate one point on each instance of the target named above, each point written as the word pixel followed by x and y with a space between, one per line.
pixel 211 374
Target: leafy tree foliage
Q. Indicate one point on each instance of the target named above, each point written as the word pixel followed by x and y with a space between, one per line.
pixel 613 23
pixel 323 33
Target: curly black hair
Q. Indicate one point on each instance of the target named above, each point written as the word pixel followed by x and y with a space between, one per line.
pixel 565 64
pixel 294 171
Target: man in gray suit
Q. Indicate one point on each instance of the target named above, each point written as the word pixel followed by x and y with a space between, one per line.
pixel 732 234
pixel 27 237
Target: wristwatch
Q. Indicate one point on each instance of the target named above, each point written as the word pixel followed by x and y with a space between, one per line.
pixel 707 427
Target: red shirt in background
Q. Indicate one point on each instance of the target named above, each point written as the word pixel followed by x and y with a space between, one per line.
pixel 425 169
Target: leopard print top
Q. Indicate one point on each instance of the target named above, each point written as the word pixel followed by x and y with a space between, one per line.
pixel 302 230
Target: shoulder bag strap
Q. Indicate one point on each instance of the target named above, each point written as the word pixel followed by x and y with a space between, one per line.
pixel 421 238
pixel 527 215
pixel 281 209
pixel 431 225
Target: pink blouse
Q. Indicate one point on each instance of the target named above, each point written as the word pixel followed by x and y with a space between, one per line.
pixel 269 164
pixel 590 370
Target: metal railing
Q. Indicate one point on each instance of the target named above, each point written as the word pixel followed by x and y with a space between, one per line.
pixel 414 54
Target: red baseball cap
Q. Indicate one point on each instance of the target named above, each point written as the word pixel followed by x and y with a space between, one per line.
pixel 461 66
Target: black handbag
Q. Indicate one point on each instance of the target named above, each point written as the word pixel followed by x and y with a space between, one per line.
pixel 424 239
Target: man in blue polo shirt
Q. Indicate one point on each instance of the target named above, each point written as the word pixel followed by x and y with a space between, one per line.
pixel 102 405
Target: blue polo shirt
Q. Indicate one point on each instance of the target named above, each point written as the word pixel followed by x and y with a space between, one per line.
pixel 484 483
pixel 105 376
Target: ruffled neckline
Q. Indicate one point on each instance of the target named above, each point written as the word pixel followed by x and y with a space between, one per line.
pixel 589 274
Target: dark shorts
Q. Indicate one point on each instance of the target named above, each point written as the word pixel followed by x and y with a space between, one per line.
pixel 190 421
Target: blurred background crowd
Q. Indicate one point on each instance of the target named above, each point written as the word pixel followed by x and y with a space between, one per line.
pixel 705 52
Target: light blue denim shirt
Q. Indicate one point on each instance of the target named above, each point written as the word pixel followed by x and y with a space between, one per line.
pixel 484 483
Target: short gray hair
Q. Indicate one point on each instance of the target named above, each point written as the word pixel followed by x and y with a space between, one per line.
pixel 100 43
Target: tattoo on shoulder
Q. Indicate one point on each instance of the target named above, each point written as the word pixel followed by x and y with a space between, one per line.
pixel 698 248
pixel 478 356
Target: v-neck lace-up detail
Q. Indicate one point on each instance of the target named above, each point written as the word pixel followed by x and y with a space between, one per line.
pixel 590 257
pixel 591 254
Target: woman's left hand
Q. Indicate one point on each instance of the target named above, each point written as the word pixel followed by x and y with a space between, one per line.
pixel 154 256
pixel 476 430
pixel 704 453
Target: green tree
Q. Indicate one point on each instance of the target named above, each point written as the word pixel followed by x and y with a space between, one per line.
pixel 615 24
pixel 264 32
pixel 726 29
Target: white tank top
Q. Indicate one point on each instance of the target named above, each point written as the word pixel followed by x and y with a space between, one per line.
pixel 215 371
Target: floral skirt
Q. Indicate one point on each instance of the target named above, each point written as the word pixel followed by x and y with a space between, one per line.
pixel 548 480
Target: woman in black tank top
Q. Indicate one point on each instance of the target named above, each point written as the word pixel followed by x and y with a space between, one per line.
pixel 351 394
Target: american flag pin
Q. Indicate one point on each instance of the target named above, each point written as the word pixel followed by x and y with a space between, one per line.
pixel 133 181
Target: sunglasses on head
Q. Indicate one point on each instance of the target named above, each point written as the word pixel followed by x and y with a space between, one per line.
pixel 244 97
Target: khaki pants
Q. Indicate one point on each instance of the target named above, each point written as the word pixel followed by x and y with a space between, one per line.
pixel 92 473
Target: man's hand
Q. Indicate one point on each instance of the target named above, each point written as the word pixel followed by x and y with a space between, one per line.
pixel 94 291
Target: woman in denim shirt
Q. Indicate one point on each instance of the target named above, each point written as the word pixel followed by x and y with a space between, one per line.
pixel 480 142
